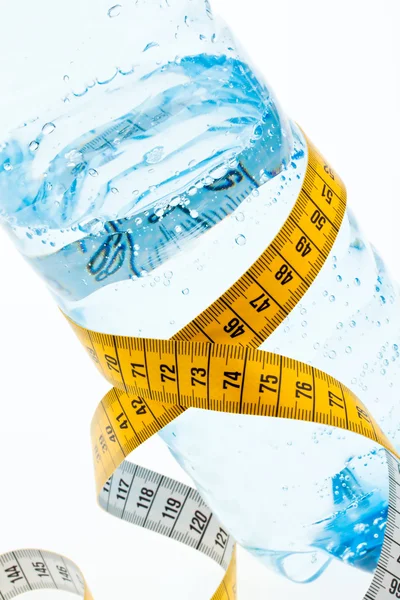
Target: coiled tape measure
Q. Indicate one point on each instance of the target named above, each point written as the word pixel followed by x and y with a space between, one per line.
pixel 213 363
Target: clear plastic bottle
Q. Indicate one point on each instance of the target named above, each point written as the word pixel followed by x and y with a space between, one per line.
pixel 140 196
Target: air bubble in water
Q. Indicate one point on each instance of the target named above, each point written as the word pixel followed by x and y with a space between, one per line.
pixel 93 172
pixel 168 274
pixel 332 354
pixel 33 146
pixel 114 11
pixel 185 291
pixel 357 281
pixel 48 128
pixel 240 217
pixel 7 166
pixel 154 156
pixel 349 350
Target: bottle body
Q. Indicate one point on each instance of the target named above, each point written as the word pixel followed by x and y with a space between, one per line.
pixel 140 212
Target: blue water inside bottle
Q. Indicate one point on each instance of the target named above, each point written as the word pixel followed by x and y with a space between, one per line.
pixel 144 198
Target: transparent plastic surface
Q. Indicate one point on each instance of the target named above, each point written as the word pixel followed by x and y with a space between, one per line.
pixel 140 194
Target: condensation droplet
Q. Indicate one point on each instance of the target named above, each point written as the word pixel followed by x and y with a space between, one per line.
pixel 33 146
pixel 93 172
pixel 241 240
pixel 185 291
pixel 357 281
pixel 48 128
pixel 349 350
pixel 114 11
pixel 332 354
pixel 240 217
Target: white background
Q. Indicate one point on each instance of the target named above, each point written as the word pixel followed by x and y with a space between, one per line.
pixel 334 64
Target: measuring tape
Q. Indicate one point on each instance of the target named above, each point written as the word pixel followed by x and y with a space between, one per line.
pixel 213 363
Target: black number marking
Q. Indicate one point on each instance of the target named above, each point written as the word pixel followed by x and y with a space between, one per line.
pixel 110 433
pixel 327 194
pixel 335 400
pixel 284 275
pixel 235 328
pixel 135 370
pixel 231 378
pixel 65 576
pixel 265 383
pixel 221 538
pixel 107 486
pixel 329 171
pixel 198 373
pixel 112 363
pixel 13 574
pixel 123 423
pixel 395 587
pixel 146 497
pixel 261 303
pixel 138 404
pixel 198 522
pixel 123 489
pixel 318 220
pixel 40 569
pixel 302 389
pixel 303 246
pixel 172 508
pixel 167 373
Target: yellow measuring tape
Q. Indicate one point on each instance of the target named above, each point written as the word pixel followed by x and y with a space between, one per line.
pixel 213 363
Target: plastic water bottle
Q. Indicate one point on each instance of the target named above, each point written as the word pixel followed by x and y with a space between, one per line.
pixel 146 189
